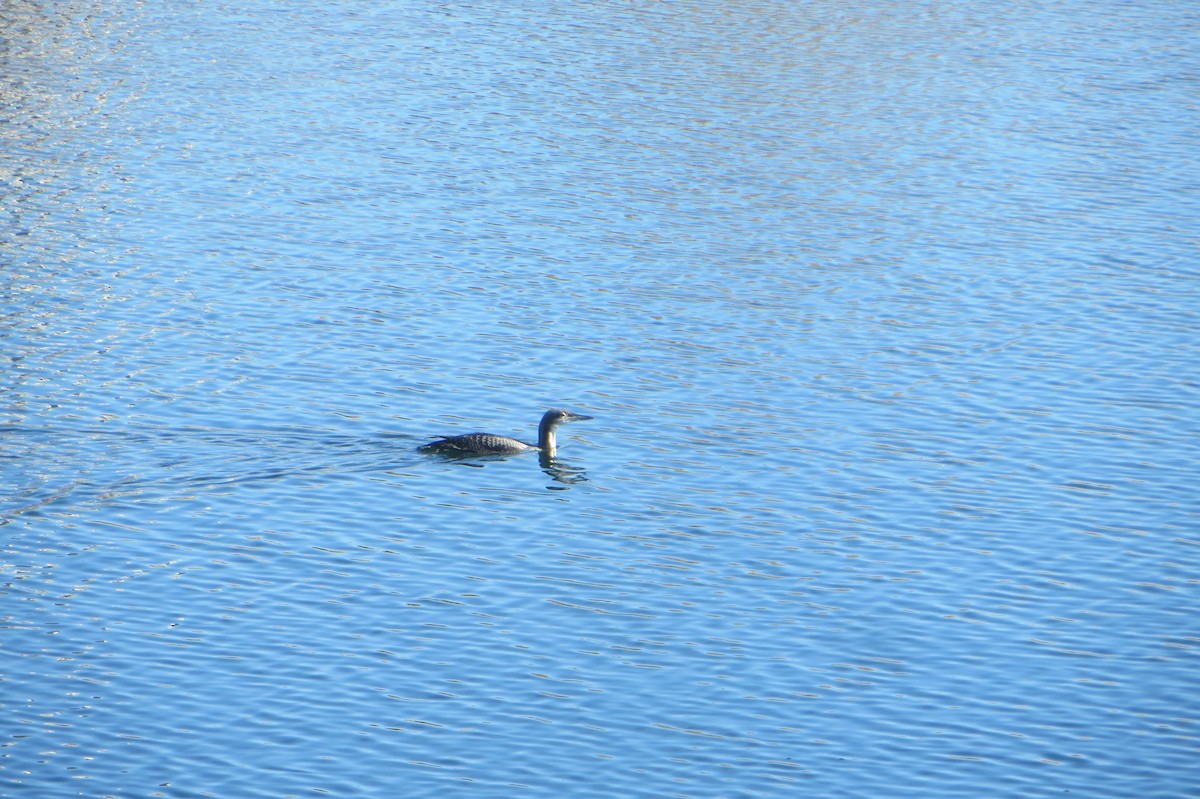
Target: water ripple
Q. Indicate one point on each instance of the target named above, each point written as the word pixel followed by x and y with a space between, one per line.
pixel 886 321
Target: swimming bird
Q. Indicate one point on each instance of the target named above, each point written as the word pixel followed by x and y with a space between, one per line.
pixel 491 444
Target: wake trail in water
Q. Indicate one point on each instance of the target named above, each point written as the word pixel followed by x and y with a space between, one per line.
pixel 47 470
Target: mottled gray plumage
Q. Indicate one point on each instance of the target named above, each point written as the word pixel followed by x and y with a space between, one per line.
pixel 478 443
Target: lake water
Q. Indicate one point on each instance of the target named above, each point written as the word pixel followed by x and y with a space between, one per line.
pixel 886 313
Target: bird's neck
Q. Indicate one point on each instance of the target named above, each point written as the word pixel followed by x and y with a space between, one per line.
pixel 547 442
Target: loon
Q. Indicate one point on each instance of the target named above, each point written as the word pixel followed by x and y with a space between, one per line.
pixel 489 444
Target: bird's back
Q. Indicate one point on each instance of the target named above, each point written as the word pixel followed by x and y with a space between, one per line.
pixel 476 444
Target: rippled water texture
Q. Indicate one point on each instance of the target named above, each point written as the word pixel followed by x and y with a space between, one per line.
pixel 886 314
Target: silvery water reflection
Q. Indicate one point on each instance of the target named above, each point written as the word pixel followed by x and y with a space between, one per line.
pixel 886 314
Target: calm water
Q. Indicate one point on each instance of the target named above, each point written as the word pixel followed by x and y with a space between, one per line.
pixel 887 314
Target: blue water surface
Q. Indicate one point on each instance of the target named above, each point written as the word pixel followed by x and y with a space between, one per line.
pixel 886 314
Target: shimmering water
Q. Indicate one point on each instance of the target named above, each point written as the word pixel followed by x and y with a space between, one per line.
pixel 886 313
